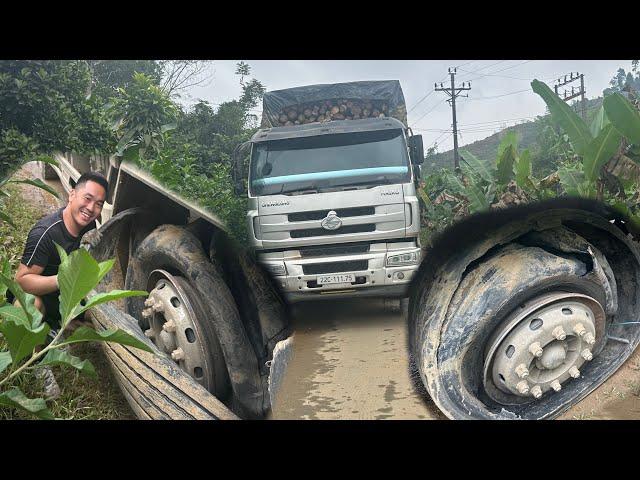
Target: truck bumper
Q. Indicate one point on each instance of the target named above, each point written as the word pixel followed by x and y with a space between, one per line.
pixel 373 279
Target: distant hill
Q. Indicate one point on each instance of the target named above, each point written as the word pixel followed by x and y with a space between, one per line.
pixel 488 147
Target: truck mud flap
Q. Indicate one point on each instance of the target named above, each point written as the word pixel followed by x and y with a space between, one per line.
pixel 155 387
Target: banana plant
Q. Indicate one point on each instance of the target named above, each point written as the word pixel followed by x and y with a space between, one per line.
pixel 23 328
pixel 599 145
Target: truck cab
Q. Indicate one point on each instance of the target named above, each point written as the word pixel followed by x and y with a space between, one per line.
pixel 333 209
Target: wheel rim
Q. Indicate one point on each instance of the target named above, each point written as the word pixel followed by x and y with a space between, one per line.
pixel 539 348
pixel 172 309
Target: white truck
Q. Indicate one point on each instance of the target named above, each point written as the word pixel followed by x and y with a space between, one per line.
pixel 332 208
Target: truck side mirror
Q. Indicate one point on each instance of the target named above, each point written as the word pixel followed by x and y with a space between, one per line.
pixel 238 170
pixel 416 149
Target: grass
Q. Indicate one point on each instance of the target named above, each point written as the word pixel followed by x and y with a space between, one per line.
pixel 82 397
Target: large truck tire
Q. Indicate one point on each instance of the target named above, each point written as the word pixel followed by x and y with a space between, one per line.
pixel 175 315
pixel 528 318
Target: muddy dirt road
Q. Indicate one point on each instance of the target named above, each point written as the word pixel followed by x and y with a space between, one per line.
pixel 350 362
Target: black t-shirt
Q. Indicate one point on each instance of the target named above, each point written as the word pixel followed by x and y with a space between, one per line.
pixel 40 249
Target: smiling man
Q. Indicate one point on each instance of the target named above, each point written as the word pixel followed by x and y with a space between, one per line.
pixel 38 270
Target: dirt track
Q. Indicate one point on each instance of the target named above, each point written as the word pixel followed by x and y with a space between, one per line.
pixel 350 362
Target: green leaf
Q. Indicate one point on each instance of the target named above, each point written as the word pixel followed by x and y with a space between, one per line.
pixel 26 300
pixel 5 360
pixel 107 297
pixel 624 116
pixel 477 199
pixel 104 268
pixel 40 184
pixel 47 159
pixel 16 399
pixel 6 218
pixel 6 271
pixel 77 276
pixel 523 169
pixel 15 314
pixel 61 357
pixel 565 117
pixel 571 180
pixel 600 151
pixel 505 162
pixel 62 253
pixel 599 122
pixel 21 338
pixel 168 126
pixel 510 139
pixel 453 183
pixel 481 167
pixel 86 334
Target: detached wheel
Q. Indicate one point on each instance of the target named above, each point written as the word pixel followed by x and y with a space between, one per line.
pixel 521 339
pixel 176 316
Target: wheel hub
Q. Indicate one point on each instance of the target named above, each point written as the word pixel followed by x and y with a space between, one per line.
pixel 172 309
pixel 543 345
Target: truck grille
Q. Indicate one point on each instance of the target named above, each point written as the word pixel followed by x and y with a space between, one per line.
pixel 326 250
pixel 333 267
pixel 319 232
pixel 320 214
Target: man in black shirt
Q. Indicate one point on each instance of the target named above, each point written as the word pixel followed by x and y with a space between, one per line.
pixel 38 270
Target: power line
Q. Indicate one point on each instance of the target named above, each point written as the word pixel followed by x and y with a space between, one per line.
pixel 503 95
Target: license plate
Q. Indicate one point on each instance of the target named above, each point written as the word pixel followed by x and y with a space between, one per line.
pixel 333 279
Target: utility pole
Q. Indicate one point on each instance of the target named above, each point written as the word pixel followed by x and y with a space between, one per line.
pixel 454 93
pixel 560 83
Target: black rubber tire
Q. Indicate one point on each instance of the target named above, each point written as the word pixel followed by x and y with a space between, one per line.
pixel 177 251
pixel 450 358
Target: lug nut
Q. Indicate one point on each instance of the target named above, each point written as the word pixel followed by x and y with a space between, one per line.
pixel 535 349
pixel 147 312
pixel 586 354
pixel 574 372
pixel 169 326
pixel 522 371
pixel 556 385
pixel 559 333
pixel 579 329
pixel 149 333
pixel 158 307
pixel 523 387
pixel 536 391
pixel 589 338
pixel 177 354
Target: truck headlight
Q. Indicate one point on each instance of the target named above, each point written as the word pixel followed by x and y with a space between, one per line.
pixel 403 259
pixel 275 268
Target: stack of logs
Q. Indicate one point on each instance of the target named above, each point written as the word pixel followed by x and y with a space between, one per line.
pixel 331 110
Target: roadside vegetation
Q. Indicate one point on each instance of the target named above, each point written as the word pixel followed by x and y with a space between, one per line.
pixel 599 159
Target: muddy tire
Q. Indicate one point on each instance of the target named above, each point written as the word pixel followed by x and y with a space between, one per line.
pixel 499 332
pixel 176 252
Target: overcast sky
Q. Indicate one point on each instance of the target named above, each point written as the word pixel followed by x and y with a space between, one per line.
pixel 500 92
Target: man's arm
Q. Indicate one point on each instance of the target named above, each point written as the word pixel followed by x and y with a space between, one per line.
pixel 32 281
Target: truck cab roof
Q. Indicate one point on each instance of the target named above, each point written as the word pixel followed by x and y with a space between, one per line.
pixel 326 128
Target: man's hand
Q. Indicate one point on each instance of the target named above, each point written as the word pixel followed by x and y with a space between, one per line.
pixel 32 281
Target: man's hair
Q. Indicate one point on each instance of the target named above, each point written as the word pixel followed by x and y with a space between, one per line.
pixel 93 177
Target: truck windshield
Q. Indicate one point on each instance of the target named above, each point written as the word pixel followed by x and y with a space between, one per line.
pixel 329 161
